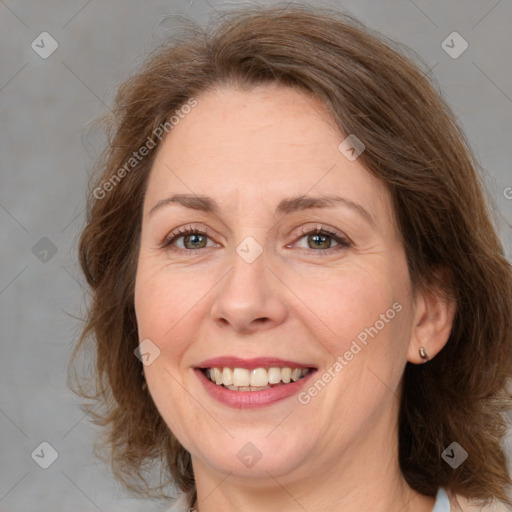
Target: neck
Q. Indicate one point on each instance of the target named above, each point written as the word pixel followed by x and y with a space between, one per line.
pixel 328 496
pixel 364 476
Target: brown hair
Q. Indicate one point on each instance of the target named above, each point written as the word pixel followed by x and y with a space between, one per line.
pixel 413 144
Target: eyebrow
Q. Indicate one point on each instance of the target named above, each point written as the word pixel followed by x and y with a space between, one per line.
pixel 285 206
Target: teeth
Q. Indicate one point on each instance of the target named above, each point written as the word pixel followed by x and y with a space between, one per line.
pixel 217 375
pixel 246 388
pixel 227 377
pixel 257 379
pixel 240 377
pixel 274 375
pixel 296 374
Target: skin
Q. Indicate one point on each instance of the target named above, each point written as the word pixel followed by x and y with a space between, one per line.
pixel 249 150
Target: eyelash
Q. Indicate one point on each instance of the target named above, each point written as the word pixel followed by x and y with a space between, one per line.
pixel 343 242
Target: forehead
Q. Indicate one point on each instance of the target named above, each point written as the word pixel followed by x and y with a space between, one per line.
pixel 258 146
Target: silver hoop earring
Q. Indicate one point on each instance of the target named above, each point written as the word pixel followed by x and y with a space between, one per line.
pixel 423 354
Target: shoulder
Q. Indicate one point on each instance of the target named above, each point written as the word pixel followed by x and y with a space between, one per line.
pixel 461 504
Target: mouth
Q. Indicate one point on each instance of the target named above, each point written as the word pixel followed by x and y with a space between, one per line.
pixel 248 383
pixel 256 379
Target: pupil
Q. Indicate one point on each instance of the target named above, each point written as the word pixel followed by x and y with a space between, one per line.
pixel 193 236
pixel 317 237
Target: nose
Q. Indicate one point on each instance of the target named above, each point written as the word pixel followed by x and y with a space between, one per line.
pixel 250 298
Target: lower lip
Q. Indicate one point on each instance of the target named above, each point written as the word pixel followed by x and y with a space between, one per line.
pixel 252 399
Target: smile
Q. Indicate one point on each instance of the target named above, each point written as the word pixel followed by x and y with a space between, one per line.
pixel 252 383
pixel 256 379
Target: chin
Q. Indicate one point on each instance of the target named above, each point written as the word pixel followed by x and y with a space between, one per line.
pixel 254 459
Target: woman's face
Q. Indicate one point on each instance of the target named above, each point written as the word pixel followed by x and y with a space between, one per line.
pixel 251 169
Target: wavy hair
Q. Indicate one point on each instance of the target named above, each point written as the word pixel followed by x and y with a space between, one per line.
pixel 413 144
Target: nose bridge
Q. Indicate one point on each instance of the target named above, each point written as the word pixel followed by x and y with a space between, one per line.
pixel 249 266
pixel 248 297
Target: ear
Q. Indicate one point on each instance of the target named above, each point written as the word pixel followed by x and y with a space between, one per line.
pixel 433 317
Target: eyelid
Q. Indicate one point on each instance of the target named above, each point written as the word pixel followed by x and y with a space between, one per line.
pixel 316 226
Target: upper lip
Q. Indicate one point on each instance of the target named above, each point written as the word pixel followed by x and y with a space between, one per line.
pixel 257 362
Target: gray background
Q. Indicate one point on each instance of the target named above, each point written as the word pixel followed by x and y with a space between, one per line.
pixel 47 153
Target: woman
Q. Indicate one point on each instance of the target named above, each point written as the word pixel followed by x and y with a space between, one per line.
pixel 289 232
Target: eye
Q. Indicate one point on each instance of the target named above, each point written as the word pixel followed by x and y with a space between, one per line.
pixel 193 239
pixel 321 238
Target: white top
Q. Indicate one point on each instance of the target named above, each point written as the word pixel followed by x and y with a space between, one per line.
pixel 442 503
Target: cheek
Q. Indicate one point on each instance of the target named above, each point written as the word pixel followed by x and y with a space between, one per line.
pixel 165 303
pixel 166 306
pixel 345 302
